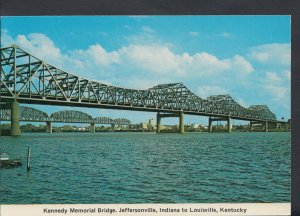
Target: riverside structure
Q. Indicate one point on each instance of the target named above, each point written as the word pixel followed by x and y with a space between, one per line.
pixel 25 78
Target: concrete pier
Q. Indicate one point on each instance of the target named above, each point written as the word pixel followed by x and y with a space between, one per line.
pixel 209 125
pixel 211 120
pixel 181 122
pixel 93 127
pixel 180 115
pixel 158 121
pixel 266 127
pixel 15 118
pixel 49 126
pixel 229 124
pixel 251 127
pixel 112 127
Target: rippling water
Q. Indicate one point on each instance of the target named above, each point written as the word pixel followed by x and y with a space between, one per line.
pixel 148 168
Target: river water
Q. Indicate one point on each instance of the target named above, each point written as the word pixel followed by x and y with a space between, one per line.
pixel 148 168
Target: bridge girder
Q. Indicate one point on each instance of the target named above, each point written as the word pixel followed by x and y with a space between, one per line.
pixel 103 120
pixel 26 114
pixel 30 114
pixel 122 121
pixel 71 116
pixel 26 78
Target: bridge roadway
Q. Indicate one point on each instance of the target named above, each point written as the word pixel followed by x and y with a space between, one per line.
pixel 25 78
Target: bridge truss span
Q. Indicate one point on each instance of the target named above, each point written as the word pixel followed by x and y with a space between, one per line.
pixel 27 114
pixel 103 120
pixel 71 116
pixel 122 121
pixel 28 79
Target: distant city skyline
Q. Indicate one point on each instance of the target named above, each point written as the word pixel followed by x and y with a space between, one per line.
pixel 248 57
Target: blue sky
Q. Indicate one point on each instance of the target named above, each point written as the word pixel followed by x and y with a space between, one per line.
pixel 247 57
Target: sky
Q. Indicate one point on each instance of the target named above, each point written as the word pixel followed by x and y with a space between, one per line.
pixel 248 57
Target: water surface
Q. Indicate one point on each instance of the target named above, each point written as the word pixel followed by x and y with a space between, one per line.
pixel 148 168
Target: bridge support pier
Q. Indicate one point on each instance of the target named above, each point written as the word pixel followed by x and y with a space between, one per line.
pixel 159 116
pixel 209 125
pixel 211 120
pixel 181 122
pixel 15 118
pixel 229 124
pixel 158 121
pixel 93 127
pixel 266 127
pixel 112 127
pixel 49 127
pixel 286 126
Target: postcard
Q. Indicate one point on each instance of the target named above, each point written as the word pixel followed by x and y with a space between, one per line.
pixel 145 115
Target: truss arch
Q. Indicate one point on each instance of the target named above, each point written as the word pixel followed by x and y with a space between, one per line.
pixel 71 116
pixel 28 114
pixel 103 120
pixel 122 121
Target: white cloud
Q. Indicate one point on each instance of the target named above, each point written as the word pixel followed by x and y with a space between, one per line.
pixel 37 44
pixel 148 29
pixel 205 91
pixel 287 74
pixel 139 61
pixel 225 35
pixel 97 55
pixel 40 44
pixel 277 85
pixel 140 82
pixel 6 39
pixel 159 59
pixel 194 34
pixel 272 77
pixel 241 65
pixel 127 27
pixel 280 93
pixel 278 54
pixel 152 59
pixel 144 37
pixel 241 102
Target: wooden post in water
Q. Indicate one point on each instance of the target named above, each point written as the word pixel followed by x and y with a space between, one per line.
pixel 28 159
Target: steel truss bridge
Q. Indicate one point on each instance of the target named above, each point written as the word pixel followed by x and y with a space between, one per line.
pixel 27 79
pixel 29 114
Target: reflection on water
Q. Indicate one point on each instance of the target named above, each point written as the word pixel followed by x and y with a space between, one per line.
pixel 148 168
